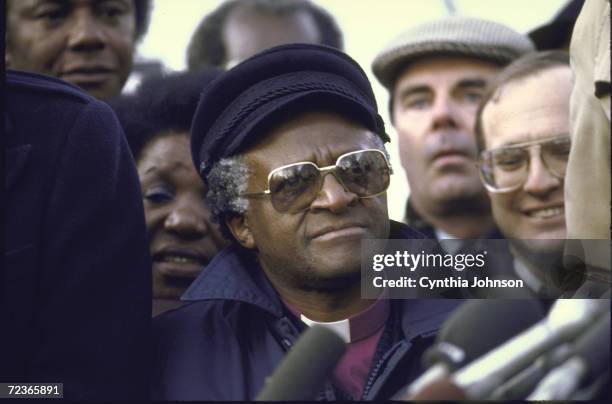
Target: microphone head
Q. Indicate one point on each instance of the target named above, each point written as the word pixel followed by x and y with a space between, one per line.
pixel 478 326
pixel 569 317
pixel 303 371
pixel 594 348
pixel 440 390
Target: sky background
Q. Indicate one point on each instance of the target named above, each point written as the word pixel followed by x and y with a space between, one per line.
pixel 367 25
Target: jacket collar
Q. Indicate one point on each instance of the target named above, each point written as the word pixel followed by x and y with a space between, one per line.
pixel 424 317
pixel 412 217
pixel 235 274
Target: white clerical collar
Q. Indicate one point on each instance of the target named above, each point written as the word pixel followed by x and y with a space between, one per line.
pixel 342 327
pixel 357 327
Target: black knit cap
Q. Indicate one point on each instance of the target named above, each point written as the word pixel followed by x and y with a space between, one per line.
pixel 235 105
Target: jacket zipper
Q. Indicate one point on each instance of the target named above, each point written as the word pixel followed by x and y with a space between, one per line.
pixel 374 375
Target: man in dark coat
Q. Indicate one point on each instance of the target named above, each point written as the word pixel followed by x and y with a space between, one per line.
pixel 76 297
pixel 264 138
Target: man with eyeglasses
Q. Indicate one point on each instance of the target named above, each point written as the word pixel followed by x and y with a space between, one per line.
pixel 522 131
pixel 291 148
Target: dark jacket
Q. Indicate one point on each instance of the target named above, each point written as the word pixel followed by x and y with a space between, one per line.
pixel 236 331
pixel 76 297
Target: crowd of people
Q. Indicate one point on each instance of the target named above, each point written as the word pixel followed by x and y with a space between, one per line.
pixel 173 243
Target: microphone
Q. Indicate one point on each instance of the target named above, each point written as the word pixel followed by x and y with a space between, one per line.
pixel 591 359
pixel 519 386
pixel 440 390
pixel 303 371
pixel 471 331
pixel 566 319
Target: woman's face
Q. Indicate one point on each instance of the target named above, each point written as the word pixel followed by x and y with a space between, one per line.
pixel 182 237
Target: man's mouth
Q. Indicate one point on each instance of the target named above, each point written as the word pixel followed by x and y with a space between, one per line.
pixel 354 231
pixel 339 231
pixel 180 259
pixel 87 75
pixel 546 213
pixel 450 156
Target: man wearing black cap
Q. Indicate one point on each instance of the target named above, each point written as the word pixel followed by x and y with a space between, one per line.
pixel 264 138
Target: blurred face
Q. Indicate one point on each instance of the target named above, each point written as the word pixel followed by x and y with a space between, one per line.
pixel 247 32
pixel 89 43
pixel 531 110
pixel 317 248
pixel 434 107
pixel 182 237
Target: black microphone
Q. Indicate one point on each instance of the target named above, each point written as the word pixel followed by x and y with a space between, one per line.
pixel 303 371
pixel 566 320
pixel 592 347
pixel 475 328
pixel 591 359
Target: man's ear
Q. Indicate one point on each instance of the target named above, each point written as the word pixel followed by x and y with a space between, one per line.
pixel 239 226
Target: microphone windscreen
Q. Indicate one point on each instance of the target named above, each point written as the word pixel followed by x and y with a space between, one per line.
pixel 440 390
pixel 594 347
pixel 303 371
pixel 478 326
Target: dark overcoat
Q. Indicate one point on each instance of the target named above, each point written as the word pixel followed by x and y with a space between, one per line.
pixel 235 331
pixel 76 291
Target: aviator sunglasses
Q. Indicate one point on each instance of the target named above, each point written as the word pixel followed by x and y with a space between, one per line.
pixel 293 187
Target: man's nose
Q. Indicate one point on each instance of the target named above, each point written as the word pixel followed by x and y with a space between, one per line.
pixel 187 221
pixel 87 32
pixel 443 112
pixel 539 179
pixel 333 196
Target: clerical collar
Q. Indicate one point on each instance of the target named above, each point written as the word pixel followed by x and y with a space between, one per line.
pixel 357 327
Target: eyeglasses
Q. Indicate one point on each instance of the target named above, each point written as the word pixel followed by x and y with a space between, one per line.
pixel 506 169
pixel 292 188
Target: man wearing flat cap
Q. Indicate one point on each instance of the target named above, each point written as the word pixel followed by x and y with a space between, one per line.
pixel 264 138
pixel 436 73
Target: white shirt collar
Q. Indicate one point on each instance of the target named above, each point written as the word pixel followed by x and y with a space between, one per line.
pixel 525 274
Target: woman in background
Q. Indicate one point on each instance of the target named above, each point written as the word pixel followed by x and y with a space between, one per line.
pixel 182 237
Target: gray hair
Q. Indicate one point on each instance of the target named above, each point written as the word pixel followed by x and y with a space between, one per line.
pixel 228 179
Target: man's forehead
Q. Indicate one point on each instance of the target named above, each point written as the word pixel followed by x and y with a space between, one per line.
pixel 545 110
pixel 34 3
pixel 451 69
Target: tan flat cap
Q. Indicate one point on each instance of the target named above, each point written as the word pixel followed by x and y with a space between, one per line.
pixel 461 36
